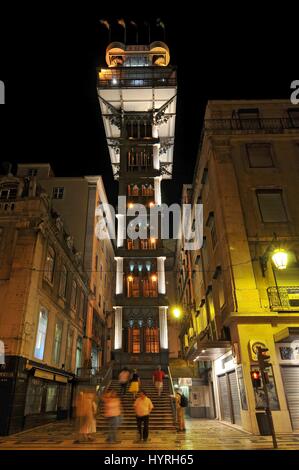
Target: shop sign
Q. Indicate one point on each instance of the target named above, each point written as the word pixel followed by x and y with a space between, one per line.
pixel 61 378
pixel 42 374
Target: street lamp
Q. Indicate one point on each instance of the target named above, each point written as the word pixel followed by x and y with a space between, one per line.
pixel 280 258
pixel 177 312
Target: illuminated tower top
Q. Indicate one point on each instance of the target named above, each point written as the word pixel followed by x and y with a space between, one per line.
pixel 137 94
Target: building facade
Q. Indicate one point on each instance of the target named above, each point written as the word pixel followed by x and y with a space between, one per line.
pixel 76 200
pixel 43 296
pixel 247 177
pixel 137 94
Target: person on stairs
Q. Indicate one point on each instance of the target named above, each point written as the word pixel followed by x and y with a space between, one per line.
pixel 123 380
pixel 112 411
pixel 143 407
pixel 158 377
pixel 134 383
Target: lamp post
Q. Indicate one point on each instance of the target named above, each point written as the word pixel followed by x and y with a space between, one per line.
pixel 279 260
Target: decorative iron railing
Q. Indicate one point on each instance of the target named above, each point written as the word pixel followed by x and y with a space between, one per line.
pixel 126 77
pixel 251 124
pixel 284 298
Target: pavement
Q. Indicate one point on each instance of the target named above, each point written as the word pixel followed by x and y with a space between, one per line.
pixel 201 434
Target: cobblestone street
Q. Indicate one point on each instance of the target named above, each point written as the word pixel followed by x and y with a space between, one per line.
pixel 200 435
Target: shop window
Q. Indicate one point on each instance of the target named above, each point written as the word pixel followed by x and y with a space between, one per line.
pixel 41 334
pixel 51 398
pixel 34 396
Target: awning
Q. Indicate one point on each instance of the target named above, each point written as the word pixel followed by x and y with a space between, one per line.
pixel 209 350
pixel 287 335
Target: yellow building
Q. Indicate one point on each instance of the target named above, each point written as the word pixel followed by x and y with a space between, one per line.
pixel 247 178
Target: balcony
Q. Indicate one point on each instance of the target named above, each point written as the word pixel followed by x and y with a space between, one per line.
pixel 146 77
pixel 252 125
pixel 284 298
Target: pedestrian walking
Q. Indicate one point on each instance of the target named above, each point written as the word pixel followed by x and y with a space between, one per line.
pixel 181 404
pixel 143 407
pixel 158 377
pixel 86 409
pixel 112 411
pixel 134 383
pixel 123 380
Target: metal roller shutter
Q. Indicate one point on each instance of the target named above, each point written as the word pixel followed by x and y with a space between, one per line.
pixel 235 397
pixel 290 376
pixel 224 398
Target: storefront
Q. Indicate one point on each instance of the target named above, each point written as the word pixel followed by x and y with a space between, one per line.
pixel 227 384
pixel 48 397
pixel 288 356
pixel 32 394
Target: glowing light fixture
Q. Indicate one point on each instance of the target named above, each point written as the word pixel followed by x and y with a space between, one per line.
pixel 280 258
pixel 130 205
pixel 154 277
pixel 151 204
pixel 130 278
pixel 177 312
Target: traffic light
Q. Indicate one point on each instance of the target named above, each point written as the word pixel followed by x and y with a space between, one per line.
pixel 256 378
pixel 263 357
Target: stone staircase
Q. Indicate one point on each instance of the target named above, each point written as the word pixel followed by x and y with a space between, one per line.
pixel 161 417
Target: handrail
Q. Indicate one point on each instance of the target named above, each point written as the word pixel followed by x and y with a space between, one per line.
pixel 173 394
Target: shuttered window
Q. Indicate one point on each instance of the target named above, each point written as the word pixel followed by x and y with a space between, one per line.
pixel 259 155
pixel 271 205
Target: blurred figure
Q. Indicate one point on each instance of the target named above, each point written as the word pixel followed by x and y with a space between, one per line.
pixel 180 405
pixel 134 383
pixel 86 409
pixel 143 407
pixel 123 380
pixel 158 377
pixel 112 411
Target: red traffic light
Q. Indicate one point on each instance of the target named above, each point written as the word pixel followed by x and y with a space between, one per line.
pixel 256 378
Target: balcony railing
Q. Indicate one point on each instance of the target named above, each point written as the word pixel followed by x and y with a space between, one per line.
pixel 284 298
pixel 148 77
pixel 252 124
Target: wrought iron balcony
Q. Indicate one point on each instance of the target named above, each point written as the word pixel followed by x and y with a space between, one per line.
pixel 263 125
pixel 284 298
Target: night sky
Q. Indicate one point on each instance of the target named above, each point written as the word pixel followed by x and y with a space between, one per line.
pixel 49 56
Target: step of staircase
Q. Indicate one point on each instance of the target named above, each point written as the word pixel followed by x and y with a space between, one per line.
pixel 161 416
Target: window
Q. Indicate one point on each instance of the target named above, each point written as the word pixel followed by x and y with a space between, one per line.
pixel 69 349
pixel 100 300
pixel 259 155
pixel 74 295
pixel 294 116
pixel 96 262
pixel 82 304
pixel 34 396
pixel 8 192
pixel 271 205
pixel 58 192
pixel 63 282
pixel 101 272
pixel 49 265
pixel 32 171
pixel 41 334
pixel 57 342
pixel 79 353
pixel 51 400
pixel 212 225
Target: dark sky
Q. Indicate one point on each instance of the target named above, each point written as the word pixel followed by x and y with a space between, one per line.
pixel 49 54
